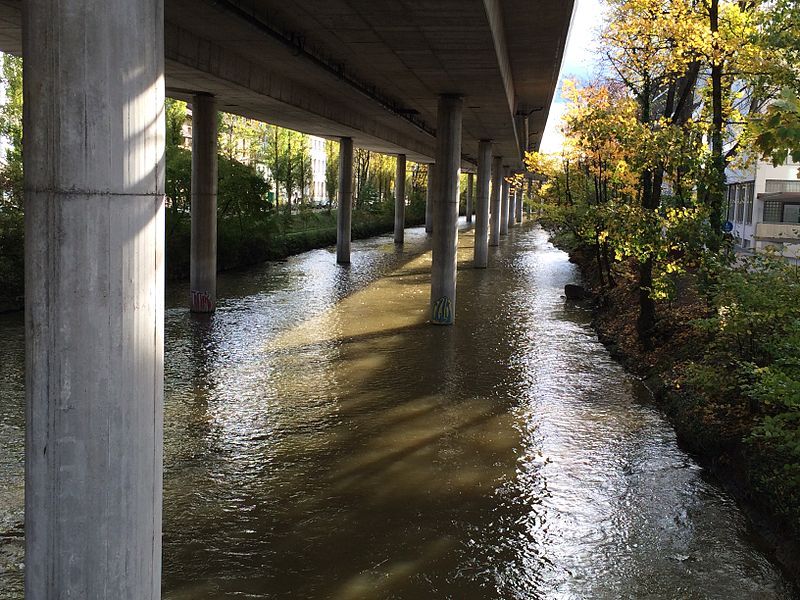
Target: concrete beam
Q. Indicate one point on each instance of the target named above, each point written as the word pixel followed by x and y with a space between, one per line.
pixel 94 298
pixel 445 211
pixel 344 220
pixel 197 64
pixel 494 14
pixel 203 265
pixel 400 200
pixel 482 207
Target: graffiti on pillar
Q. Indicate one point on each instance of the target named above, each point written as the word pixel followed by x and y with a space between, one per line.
pixel 202 302
pixel 443 311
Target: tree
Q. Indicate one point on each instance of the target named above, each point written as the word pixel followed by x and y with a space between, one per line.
pixel 11 130
pixel 775 132
pixel 331 170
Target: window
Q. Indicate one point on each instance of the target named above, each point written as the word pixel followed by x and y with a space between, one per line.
pixel 773 211
pixel 783 185
pixel 739 204
pixel 731 203
pixel 791 213
pixel 749 190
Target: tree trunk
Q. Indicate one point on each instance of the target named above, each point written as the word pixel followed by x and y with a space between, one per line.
pixel 716 180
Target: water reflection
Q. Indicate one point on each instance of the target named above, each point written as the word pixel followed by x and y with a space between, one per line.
pixel 323 441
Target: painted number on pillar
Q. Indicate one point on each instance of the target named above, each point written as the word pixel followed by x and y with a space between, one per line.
pixel 443 311
pixel 201 302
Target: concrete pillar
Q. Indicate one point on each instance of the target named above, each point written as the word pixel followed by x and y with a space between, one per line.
pixel 518 205
pixel 482 204
pixel 94 297
pixel 344 216
pixel 400 200
pixel 512 208
pixel 429 195
pixel 203 265
pixel 497 185
pixel 470 178
pixel 445 210
pixel 504 201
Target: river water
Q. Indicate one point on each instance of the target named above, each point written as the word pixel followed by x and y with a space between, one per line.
pixel 323 441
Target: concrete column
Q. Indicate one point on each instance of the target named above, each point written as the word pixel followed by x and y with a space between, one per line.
pixel 504 201
pixel 344 220
pixel 400 200
pixel 203 265
pixel 497 185
pixel 445 210
pixel 429 198
pixel 94 297
pixel 512 208
pixel 482 204
pixel 470 178
pixel 518 205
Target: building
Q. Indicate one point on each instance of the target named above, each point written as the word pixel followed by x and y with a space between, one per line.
pixel 764 208
pixel 319 164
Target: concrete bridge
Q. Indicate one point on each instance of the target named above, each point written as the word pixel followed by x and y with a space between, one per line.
pixel 453 83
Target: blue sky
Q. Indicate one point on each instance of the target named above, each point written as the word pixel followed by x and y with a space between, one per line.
pixel 580 62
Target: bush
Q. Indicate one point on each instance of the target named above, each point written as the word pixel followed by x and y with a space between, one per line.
pixel 12 257
pixel 753 365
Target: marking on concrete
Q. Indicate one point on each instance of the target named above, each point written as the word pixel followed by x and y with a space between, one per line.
pixel 202 302
pixel 443 311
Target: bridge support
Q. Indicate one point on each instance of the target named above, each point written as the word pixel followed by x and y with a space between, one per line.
pixel 504 201
pixel 520 199
pixel 497 185
pixel 482 204
pixel 94 297
pixel 470 179
pixel 344 220
pixel 445 210
pixel 512 208
pixel 400 200
pixel 203 266
pixel 429 195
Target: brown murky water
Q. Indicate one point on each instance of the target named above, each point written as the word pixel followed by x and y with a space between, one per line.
pixel 323 441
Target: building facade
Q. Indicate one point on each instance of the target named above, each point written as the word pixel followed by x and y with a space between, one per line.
pixel 764 208
pixel 319 163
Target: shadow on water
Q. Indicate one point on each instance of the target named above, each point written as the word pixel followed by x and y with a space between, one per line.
pixel 323 441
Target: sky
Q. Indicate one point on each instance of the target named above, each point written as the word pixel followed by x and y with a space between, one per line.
pixel 580 62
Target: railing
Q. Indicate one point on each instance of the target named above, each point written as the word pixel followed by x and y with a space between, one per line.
pixel 777 231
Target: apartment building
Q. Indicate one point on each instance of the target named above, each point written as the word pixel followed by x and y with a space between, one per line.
pixel 764 208
pixel 319 163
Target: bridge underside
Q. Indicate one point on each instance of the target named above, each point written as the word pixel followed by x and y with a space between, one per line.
pixel 429 80
pixel 366 69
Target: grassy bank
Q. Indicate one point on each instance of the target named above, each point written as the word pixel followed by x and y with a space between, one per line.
pixel 723 366
pixel 273 237
pixel 240 242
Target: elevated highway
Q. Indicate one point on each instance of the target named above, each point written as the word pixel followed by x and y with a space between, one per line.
pixel 453 83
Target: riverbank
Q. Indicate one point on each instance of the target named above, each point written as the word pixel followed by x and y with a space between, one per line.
pixel 240 242
pixel 722 432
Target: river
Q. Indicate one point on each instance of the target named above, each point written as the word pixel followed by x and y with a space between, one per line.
pixel 323 441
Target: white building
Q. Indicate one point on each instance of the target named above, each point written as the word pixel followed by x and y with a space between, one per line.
pixel 319 163
pixel 764 208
